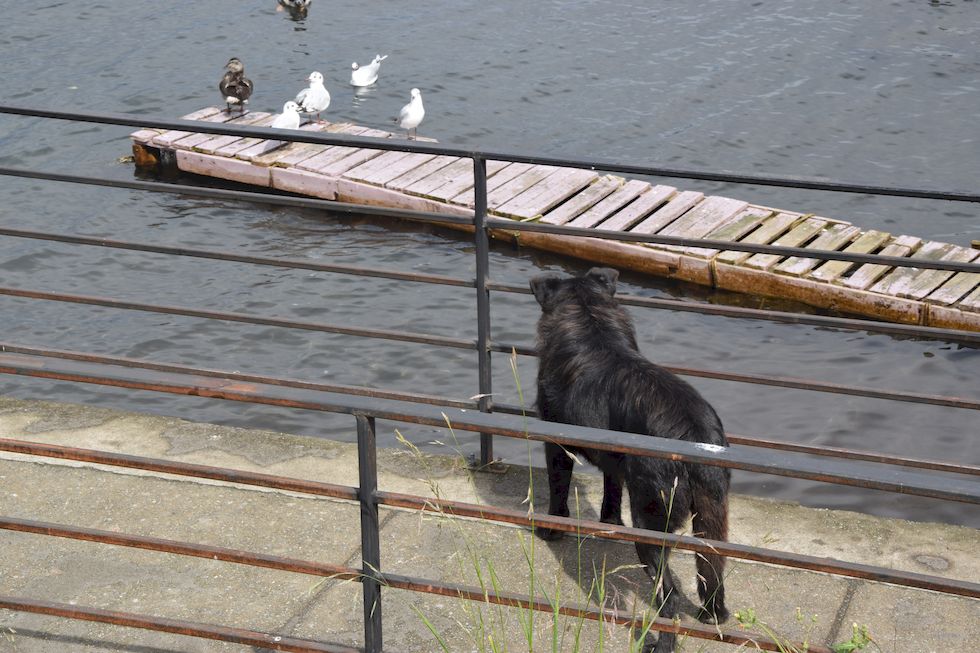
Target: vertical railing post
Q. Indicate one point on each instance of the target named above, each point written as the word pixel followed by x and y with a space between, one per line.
pixel 482 241
pixel 367 472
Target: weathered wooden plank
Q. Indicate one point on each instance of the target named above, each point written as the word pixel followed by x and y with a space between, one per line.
pixel 744 279
pixel 398 168
pixel 916 283
pixel 709 214
pixel 304 182
pixel 745 221
pixel 795 237
pixel 868 273
pixel 949 317
pixel 972 301
pixel 167 138
pixel 867 242
pixel 222 167
pixel 550 192
pixel 583 201
pixel 678 205
pixel 415 175
pixel 213 142
pixel 270 148
pixel 356 192
pixel 501 176
pixel 611 203
pixel 519 184
pixel 929 280
pixel 433 181
pixel 463 183
pixel 959 286
pixel 380 162
pixel 191 140
pixel 355 158
pixel 295 152
pixel 331 153
pixel 239 144
pixel 147 135
pixel 767 232
pixel 830 240
pixel 625 218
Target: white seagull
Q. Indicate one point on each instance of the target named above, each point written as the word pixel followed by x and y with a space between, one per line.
pixel 368 74
pixel 411 114
pixel 289 118
pixel 316 98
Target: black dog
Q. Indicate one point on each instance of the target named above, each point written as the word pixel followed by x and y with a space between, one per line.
pixel 591 373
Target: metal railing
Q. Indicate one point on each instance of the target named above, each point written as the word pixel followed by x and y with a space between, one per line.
pixel 842 466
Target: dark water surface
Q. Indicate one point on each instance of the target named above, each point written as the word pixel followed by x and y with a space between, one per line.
pixel 864 92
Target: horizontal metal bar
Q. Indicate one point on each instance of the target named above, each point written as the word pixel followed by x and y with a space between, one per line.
pixel 179 548
pixel 416 146
pixel 471 404
pixel 347 573
pixel 494 223
pixel 723 245
pixel 384 334
pixel 792 383
pixel 364 391
pixel 452 508
pixel 228 475
pixel 176 626
pixel 638 624
pixel 354 270
pixel 825 321
pixel 243 196
pixel 782 445
pixel 767 461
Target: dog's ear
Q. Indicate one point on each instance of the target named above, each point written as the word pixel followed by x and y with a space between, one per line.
pixel 606 277
pixel 544 287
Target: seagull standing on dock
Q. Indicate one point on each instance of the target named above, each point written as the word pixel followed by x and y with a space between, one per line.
pixel 411 114
pixel 316 98
pixel 368 74
pixel 234 86
pixel 289 118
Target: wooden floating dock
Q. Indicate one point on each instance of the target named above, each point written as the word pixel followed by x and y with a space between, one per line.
pixel 584 198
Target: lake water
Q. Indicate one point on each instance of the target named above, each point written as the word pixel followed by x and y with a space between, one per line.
pixel 864 92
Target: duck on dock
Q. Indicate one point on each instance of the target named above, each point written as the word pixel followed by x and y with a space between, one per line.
pixel 314 99
pixel 367 74
pixel 289 118
pixel 412 114
pixel 234 86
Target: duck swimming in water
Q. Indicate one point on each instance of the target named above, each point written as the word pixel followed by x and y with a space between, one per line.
pixel 297 8
pixel 316 98
pixel 367 74
pixel 234 86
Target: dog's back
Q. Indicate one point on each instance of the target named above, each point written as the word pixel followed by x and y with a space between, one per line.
pixel 592 373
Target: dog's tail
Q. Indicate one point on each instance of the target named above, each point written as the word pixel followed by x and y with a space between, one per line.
pixel 710 521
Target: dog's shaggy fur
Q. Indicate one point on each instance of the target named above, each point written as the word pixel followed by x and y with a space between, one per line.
pixel 591 373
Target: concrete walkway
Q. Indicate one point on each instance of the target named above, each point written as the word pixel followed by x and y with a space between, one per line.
pixel 795 604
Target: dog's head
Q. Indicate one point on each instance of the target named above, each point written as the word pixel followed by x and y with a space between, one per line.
pixel 553 289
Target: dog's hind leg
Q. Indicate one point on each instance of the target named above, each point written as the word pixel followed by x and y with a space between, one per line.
pixel 612 499
pixel 710 521
pixel 666 601
pixel 559 480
